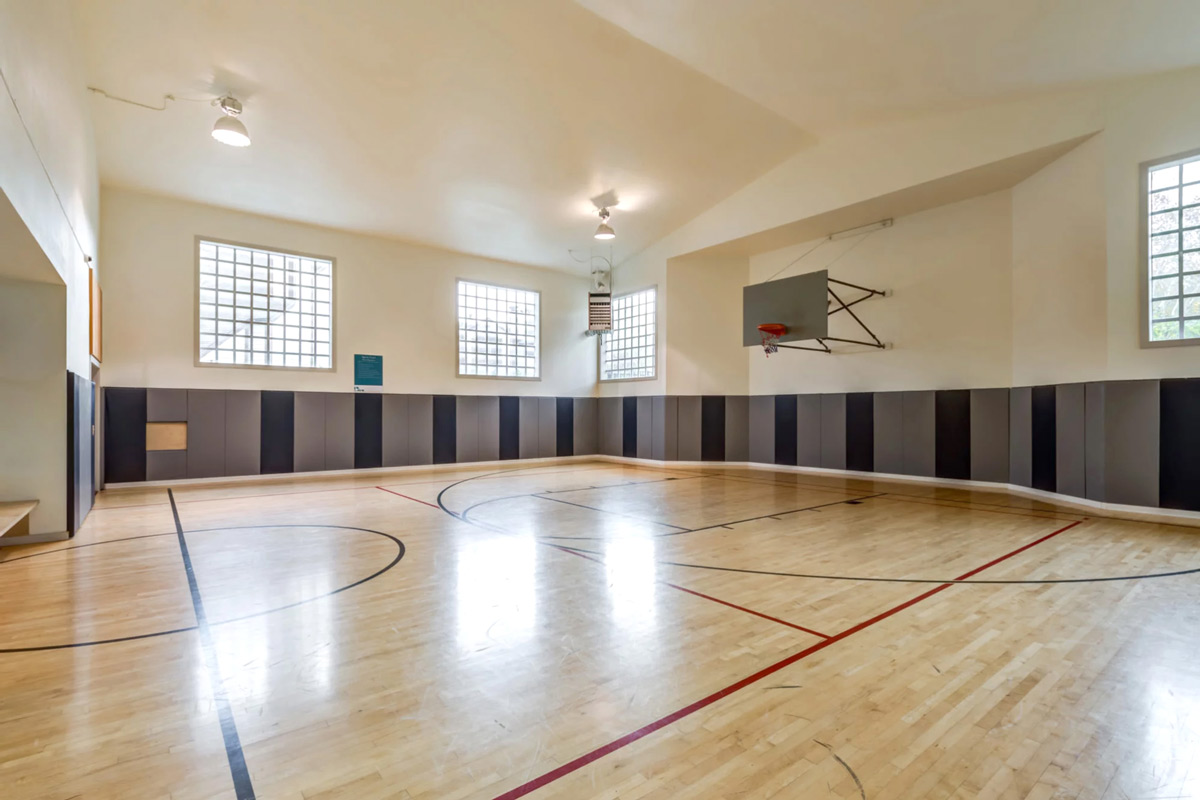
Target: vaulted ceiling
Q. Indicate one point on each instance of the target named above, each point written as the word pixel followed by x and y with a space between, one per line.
pixel 485 127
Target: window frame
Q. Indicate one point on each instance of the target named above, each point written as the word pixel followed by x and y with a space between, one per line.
pixel 458 332
pixel 600 347
pixel 1143 260
pixel 333 310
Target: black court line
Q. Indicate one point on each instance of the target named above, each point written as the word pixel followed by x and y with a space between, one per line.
pixel 242 786
pixel 400 551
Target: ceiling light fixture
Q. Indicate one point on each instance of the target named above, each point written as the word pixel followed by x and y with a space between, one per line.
pixel 229 129
pixel 603 231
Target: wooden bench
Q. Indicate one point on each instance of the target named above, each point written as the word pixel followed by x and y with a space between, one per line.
pixel 14 517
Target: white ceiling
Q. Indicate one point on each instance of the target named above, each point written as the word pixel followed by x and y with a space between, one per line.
pixel 485 126
pixel 482 127
pixel 826 64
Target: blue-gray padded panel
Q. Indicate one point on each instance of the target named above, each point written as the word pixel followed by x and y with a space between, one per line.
pixel 1020 436
pixel 833 431
pixel 206 433
pixel 339 430
pixel 761 440
pixel 688 428
pixel 420 429
pixel 989 435
pixel 920 432
pixel 243 431
pixel 166 405
pixel 395 430
pixel 1131 437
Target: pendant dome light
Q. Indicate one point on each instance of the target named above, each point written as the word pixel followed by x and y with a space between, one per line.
pixel 229 129
pixel 603 231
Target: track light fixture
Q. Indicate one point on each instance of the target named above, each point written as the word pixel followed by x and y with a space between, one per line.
pixel 603 231
pixel 229 129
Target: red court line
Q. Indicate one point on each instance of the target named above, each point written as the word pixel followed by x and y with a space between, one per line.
pixel 809 631
pixel 629 738
pixel 406 497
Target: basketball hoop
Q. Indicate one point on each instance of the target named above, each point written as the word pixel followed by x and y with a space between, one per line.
pixel 770 333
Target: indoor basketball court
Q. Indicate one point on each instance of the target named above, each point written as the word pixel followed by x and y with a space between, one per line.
pixel 561 399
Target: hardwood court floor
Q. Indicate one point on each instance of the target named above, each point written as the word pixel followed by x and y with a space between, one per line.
pixel 594 630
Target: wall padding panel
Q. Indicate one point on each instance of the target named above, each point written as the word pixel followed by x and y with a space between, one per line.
pixel 666 425
pixel 1179 444
pixel 688 430
pixel 243 432
pixel 206 433
pixel 1020 436
pixel 489 429
pixel 547 427
pixel 510 428
pixel 277 445
pixel 610 412
pixel 629 427
pixel 833 431
pixel 808 430
pixel 339 430
pixel 1132 442
pixel 1044 467
pixel 309 436
pixel 645 427
pixel 125 434
pixel 952 434
pixel 888 411
pixel 368 431
pixel 444 436
pixel 420 429
pixel 587 426
pixel 860 431
pixel 785 429
pixel 1070 431
pixel 395 430
pixel 166 465
pixel 762 429
pixel 564 426
pixel 712 427
pixel 737 428
pixel 166 405
pixel 528 428
pixel 1093 434
pixel 467 429
pixel 989 435
pixel 920 434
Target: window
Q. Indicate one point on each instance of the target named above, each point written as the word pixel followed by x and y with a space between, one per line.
pixel 498 331
pixel 1171 313
pixel 263 308
pixel 628 350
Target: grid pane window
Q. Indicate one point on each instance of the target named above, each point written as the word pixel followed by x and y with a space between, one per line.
pixel 628 351
pixel 264 308
pixel 1173 247
pixel 498 331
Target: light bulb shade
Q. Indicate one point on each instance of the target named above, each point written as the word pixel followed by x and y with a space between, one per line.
pixel 230 131
pixel 605 232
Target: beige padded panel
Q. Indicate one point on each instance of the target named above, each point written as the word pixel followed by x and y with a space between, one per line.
pixel 166 436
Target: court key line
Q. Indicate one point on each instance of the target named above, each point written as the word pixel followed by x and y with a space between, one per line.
pixel 240 773
pixel 629 738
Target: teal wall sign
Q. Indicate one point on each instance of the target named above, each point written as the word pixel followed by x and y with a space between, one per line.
pixel 368 373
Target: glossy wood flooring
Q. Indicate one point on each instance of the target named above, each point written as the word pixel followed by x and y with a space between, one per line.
pixel 595 630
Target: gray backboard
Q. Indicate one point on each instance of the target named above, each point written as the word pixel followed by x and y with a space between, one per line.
pixel 800 303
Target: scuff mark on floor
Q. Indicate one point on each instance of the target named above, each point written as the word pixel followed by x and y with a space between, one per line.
pixel 861 791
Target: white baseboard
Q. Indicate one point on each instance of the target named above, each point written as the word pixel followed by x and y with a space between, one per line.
pixel 1115 510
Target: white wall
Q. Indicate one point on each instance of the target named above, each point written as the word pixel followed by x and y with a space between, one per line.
pixel 949 319
pixel 392 299
pixel 1060 307
pixel 704 353
pixel 48 175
